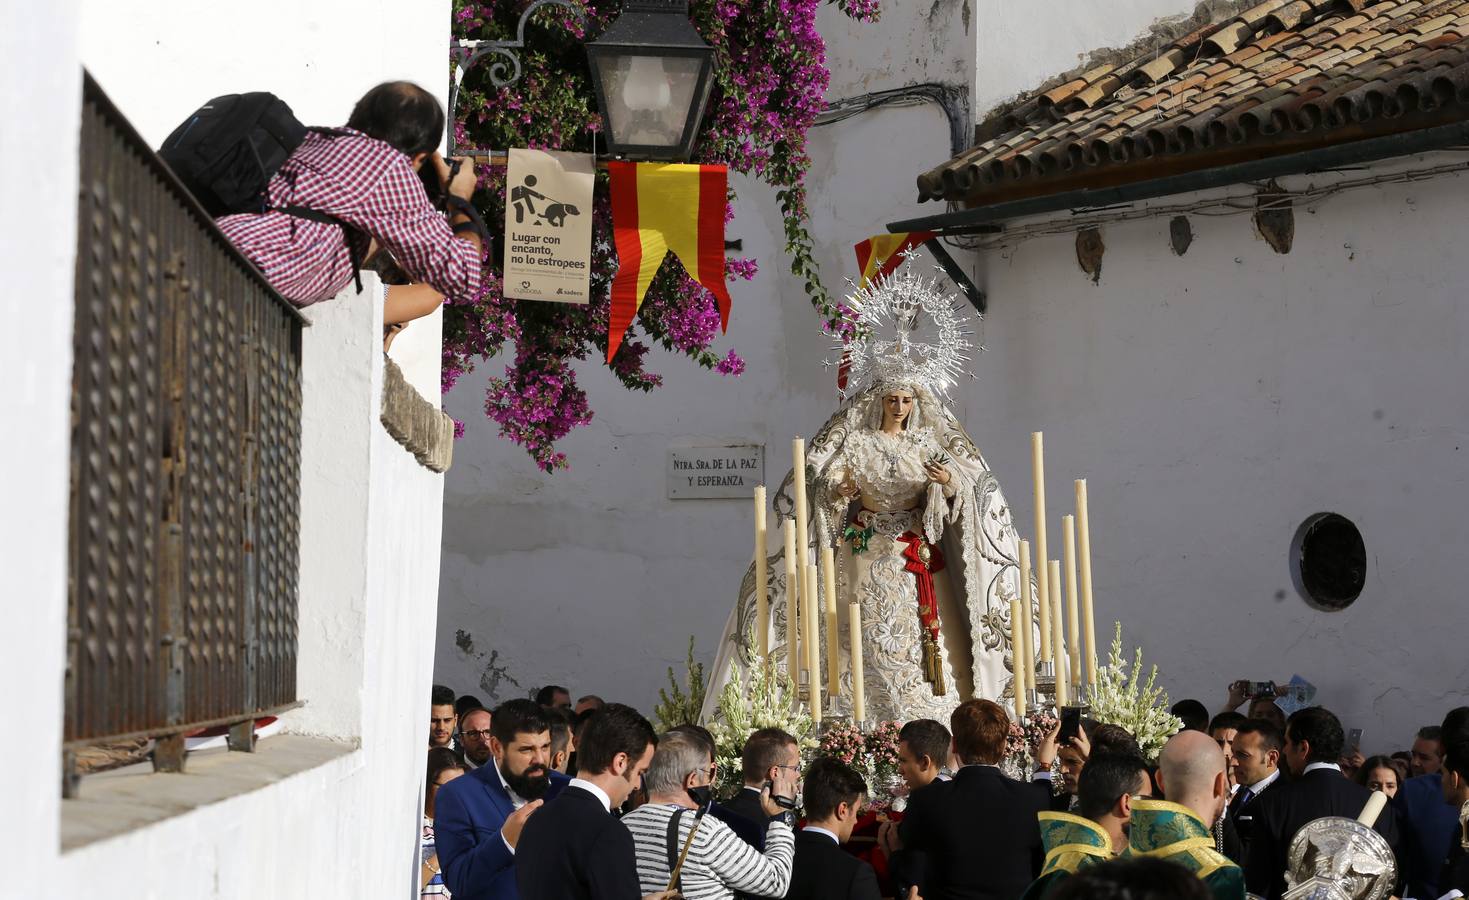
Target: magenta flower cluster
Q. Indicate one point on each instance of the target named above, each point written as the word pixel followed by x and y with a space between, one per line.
pixel 770 78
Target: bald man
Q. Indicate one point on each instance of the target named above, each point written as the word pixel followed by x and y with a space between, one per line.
pixel 1191 774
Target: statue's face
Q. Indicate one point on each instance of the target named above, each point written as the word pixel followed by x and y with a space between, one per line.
pixel 896 405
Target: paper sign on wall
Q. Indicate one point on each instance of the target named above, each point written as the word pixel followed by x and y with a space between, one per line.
pixel 548 225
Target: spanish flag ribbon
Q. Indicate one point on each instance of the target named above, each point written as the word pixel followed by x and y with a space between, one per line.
pixel 658 207
pixel 881 254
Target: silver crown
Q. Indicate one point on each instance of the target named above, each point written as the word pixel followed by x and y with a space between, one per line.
pixel 910 331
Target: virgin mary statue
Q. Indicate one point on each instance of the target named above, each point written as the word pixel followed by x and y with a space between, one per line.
pixel 923 535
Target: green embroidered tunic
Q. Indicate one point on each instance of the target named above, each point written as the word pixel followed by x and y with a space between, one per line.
pixel 1176 833
pixel 1071 843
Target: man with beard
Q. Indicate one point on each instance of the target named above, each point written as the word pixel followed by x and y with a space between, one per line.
pixel 576 849
pixel 478 818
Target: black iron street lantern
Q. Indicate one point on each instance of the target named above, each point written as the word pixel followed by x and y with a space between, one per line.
pixel 652 72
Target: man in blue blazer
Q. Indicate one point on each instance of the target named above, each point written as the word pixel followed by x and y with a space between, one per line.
pixel 478 818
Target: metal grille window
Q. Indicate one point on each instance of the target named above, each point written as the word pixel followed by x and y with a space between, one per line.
pixel 185 459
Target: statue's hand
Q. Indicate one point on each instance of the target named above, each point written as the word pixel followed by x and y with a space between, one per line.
pixel 936 472
pixel 848 489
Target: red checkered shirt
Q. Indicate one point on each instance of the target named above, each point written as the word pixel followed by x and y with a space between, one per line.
pixel 373 187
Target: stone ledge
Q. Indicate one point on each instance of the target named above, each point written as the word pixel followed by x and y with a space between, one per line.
pixel 119 801
pixel 421 427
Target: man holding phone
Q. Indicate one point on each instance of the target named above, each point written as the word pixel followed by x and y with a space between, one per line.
pixel 770 756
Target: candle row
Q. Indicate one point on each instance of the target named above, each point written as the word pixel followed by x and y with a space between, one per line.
pixel 803 637
pixel 1067 645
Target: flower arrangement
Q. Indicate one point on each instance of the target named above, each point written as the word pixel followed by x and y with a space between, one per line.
pixel 1023 739
pixel 874 754
pixel 682 704
pixel 1142 709
pixel 845 742
pixel 766 700
pixel 770 78
pixel 882 751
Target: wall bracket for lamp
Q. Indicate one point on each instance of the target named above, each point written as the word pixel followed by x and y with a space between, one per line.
pixel 506 67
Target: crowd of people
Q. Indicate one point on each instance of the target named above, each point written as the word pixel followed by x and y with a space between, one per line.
pixel 546 799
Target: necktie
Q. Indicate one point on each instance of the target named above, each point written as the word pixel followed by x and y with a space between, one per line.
pixel 1245 796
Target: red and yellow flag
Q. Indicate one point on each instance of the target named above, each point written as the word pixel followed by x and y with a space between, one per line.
pixel 658 207
pixel 881 254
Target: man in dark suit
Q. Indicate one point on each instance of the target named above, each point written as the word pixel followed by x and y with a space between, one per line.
pixel 574 849
pixel 1454 774
pixel 1256 754
pixel 766 753
pixel 479 818
pixel 979 831
pixel 834 794
pixel 1313 744
pixel 924 748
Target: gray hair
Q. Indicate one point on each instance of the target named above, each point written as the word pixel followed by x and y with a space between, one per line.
pixel 678 754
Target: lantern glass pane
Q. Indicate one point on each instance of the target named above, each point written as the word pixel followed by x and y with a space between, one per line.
pixel 648 97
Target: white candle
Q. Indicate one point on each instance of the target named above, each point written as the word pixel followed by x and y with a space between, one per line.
pixel 1373 809
pixel 1088 612
pixel 813 644
pixel 1017 660
pixel 798 453
pixel 1053 588
pixel 793 600
pixel 1038 466
pixel 859 690
pixel 803 533
pixel 833 645
pixel 1027 630
pixel 762 594
pixel 1073 609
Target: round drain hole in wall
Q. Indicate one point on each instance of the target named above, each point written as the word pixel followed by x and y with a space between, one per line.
pixel 1329 561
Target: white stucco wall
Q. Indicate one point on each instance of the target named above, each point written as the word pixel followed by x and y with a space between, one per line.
pixel 1213 403
pixel 347 823
pixel 38 159
pixel 1021 45
pixel 159 61
pixel 1217 400
pixel 593 578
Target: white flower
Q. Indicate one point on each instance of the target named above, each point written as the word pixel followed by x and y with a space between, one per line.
pixel 1117 698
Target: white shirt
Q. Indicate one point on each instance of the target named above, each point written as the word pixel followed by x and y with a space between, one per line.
pixel 1265 782
pixel 1321 765
pixel 818 830
pixel 594 791
pixel 516 800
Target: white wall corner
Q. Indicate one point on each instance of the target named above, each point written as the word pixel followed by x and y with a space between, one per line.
pixel 38 240
pixel 341 389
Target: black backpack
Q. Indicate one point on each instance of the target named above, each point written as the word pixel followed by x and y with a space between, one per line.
pixel 227 151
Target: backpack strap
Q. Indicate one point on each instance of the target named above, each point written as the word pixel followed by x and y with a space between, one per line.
pixel 672 845
pixel 315 215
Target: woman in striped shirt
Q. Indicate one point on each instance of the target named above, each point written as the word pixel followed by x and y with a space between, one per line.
pixel 718 862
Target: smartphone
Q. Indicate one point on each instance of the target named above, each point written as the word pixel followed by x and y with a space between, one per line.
pixel 1354 740
pixel 782 802
pixel 1255 689
pixel 1070 725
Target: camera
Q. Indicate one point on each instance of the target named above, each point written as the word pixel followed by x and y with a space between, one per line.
pixel 1256 689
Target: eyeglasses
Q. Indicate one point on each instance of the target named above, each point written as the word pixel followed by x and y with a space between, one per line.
pixel 792 768
pixel 482 734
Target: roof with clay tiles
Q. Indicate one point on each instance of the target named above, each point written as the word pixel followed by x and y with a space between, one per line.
pixel 1275 78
